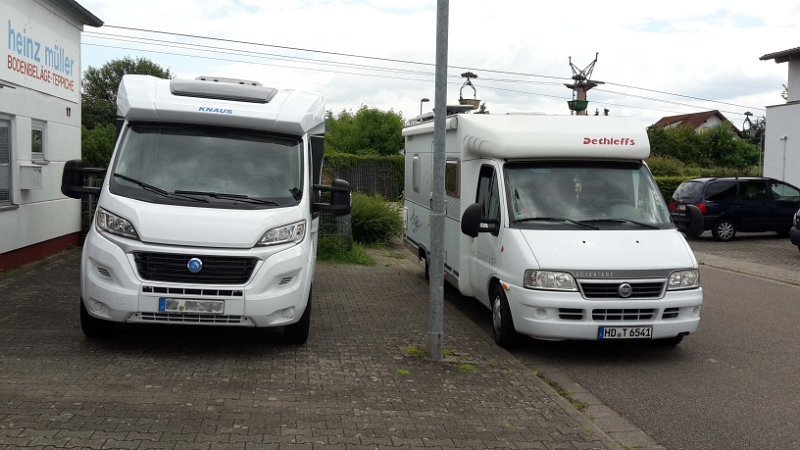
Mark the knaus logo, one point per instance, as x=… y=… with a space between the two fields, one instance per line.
x=608 y=141
x=215 y=110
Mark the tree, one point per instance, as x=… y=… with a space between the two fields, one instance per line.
x=100 y=86
x=97 y=145
x=368 y=131
x=719 y=146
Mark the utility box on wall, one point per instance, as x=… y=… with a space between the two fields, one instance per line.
x=30 y=177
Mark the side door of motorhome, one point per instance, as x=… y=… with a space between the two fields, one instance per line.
x=485 y=249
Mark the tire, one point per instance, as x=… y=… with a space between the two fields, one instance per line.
x=724 y=230
x=503 y=331
x=297 y=333
x=669 y=342
x=93 y=327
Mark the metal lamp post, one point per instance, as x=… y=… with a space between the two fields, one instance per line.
x=421 y=101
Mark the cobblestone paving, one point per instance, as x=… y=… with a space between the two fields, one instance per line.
x=767 y=249
x=350 y=387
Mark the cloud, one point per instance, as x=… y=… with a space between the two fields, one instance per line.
x=706 y=49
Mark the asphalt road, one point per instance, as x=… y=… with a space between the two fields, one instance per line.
x=732 y=385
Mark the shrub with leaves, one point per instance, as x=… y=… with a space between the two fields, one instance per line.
x=373 y=220
x=665 y=166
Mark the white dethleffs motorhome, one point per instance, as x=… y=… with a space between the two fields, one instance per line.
x=208 y=210
x=556 y=224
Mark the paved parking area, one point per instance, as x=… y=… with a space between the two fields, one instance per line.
x=761 y=254
x=351 y=387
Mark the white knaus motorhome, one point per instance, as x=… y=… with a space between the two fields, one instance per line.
x=556 y=224
x=208 y=211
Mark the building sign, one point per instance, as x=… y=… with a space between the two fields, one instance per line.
x=40 y=50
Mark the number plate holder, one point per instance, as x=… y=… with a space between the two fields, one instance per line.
x=604 y=333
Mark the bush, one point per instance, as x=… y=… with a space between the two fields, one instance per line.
x=373 y=220
x=334 y=250
x=97 y=145
x=665 y=166
x=667 y=185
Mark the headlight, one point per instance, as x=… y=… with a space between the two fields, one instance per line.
x=685 y=279
x=294 y=232
x=559 y=281
x=114 y=224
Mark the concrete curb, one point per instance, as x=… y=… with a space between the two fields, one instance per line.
x=748 y=268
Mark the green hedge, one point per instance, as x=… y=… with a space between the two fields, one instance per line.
x=348 y=161
x=667 y=185
x=373 y=220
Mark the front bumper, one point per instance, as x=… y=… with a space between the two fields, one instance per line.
x=112 y=289
x=794 y=235
x=539 y=313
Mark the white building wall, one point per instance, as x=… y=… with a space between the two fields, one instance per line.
x=794 y=81
x=782 y=156
x=710 y=123
x=37 y=215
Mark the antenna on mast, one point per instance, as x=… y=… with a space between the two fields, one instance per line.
x=582 y=82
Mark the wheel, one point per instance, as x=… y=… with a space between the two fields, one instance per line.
x=505 y=335
x=669 y=342
x=297 y=333
x=724 y=230
x=93 y=327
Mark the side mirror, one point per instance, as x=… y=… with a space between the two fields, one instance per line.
x=340 y=198
x=696 y=221
x=72 y=179
x=471 y=222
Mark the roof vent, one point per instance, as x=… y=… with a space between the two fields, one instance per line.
x=223 y=89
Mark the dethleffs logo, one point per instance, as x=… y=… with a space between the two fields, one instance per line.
x=215 y=110
x=608 y=141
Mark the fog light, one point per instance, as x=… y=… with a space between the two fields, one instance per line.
x=287 y=313
x=696 y=311
x=97 y=306
x=540 y=313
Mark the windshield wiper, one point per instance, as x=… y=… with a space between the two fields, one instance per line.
x=555 y=219
x=225 y=196
x=157 y=190
x=641 y=224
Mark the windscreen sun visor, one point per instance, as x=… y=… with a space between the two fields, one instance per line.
x=222 y=91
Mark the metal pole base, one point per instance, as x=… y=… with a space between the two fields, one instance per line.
x=435 y=340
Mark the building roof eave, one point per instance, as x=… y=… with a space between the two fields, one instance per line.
x=783 y=56
x=78 y=12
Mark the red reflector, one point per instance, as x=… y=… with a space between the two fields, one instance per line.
x=701 y=207
x=673 y=206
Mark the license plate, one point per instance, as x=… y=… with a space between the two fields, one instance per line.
x=184 y=305
x=624 y=332
x=681 y=207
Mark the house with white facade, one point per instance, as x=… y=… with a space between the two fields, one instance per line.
x=782 y=139
x=40 y=125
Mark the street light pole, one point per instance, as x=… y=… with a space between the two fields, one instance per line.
x=436 y=266
x=421 y=102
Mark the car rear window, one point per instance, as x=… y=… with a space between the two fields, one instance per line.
x=688 y=191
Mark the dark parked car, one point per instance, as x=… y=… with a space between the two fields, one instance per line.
x=794 y=233
x=731 y=205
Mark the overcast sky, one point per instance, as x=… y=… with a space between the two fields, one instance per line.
x=706 y=48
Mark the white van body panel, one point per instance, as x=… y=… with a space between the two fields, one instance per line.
x=630 y=255
x=277 y=291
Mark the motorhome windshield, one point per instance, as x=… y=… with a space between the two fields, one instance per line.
x=208 y=167
x=581 y=195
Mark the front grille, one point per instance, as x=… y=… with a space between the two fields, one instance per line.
x=648 y=289
x=570 y=314
x=189 y=318
x=188 y=291
x=622 y=314
x=173 y=268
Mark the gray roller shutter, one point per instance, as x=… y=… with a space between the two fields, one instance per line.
x=5 y=163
